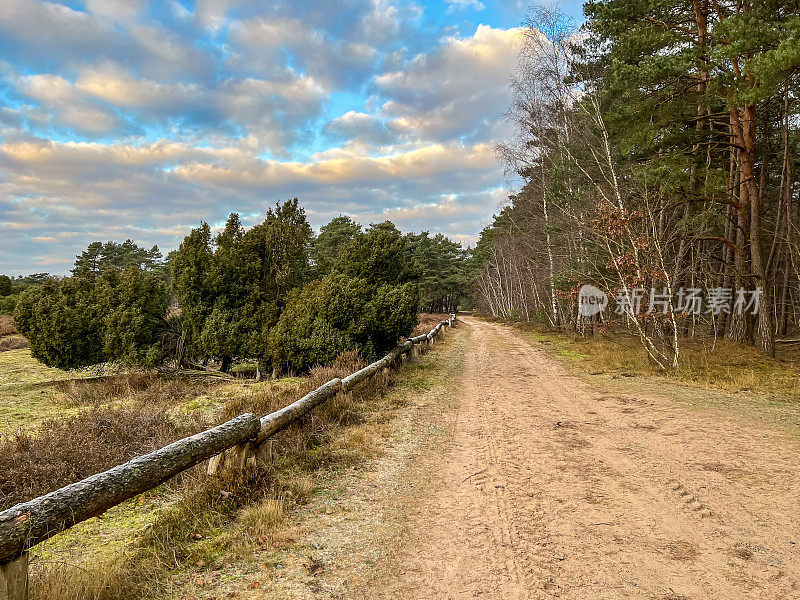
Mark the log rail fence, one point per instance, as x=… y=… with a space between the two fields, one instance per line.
x=235 y=444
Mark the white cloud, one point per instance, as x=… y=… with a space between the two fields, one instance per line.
x=180 y=11
x=423 y=162
x=155 y=192
x=53 y=36
x=120 y=88
x=120 y=11
x=360 y=128
x=382 y=21
x=453 y=5
x=262 y=113
x=211 y=13
x=259 y=44
x=63 y=103
x=459 y=89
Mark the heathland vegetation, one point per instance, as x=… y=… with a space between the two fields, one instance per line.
x=189 y=532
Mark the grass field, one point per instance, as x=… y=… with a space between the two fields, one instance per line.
x=27 y=387
x=27 y=390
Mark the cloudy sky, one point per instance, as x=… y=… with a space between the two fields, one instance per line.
x=130 y=119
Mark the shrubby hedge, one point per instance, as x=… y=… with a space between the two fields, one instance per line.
x=8 y=303
x=89 y=319
x=273 y=294
x=340 y=313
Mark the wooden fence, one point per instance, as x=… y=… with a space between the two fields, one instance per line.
x=233 y=444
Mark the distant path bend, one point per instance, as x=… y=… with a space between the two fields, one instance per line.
x=553 y=490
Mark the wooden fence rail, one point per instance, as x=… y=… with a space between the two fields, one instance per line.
x=233 y=443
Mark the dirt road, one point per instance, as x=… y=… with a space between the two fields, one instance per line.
x=551 y=489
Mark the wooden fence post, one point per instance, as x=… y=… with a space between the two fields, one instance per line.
x=241 y=455
x=14 y=579
x=214 y=463
x=264 y=453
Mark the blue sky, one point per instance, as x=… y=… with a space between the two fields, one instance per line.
x=126 y=119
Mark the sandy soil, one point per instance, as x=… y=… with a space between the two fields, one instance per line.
x=552 y=489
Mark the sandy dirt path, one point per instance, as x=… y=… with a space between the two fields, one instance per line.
x=550 y=489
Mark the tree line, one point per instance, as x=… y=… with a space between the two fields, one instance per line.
x=657 y=149
x=274 y=294
x=12 y=287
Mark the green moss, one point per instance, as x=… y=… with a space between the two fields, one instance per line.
x=18 y=367
x=111 y=533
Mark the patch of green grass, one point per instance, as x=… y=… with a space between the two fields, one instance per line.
x=129 y=521
x=245 y=368
x=18 y=367
x=26 y=390
x=572 y=354
x=418 y=376
x=28 y=405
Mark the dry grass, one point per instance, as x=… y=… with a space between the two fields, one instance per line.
x=428 y=321
x=208 y=522
x=66 y=581
x=66 y=450
x=7 y=326
x=127 y=415
x=204 y=523
x=146 y=387
x=719 y=364
x=261 y=520
x=124 y=416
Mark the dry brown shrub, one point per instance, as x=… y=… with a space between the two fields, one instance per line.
x=7 y=326
x=13 y=343
x=428 y=321
x=144 y=386
x=66 y=450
